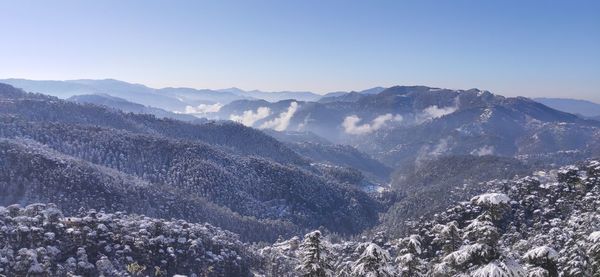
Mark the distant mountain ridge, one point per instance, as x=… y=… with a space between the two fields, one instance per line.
x=127 y=106
x=574 y=106
x=405 y=124
x=396 y=125
x=168 y=98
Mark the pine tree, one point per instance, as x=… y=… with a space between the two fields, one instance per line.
x=373 y=262
x=495 y=204
x=314 y=257
x=593 y=251
x=409 y=262
x=574 y=261
x=543 y=257
x=448 y=236
x=499 y=268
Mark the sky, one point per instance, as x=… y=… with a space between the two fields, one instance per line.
x=528 y=48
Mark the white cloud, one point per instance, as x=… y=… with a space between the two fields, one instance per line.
x=484 y=151
x=351 y=126
x=203 y=109
x=305 y=122
x=281 y=123
x=441 y=148
x=250 y=117
x=433 y=112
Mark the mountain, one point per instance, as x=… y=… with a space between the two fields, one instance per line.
x=373 y=90
x=346 y=97
x=32 y=172
x=131 y=92
x=127 y=106
x=574 y=106
x=544 y=224
x=283 y=95
x=247 y=141
x=231 y=166
x=406 y=124
x=352 y=96
x=344 y=155
x=410 y=181
x=539 y=225
x=201 y=102
x=274 y=96
x=444 y=181
x=296 y=137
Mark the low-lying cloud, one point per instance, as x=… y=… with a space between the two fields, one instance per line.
x=250 y=117
x=282 y=122
x=433 y=112
x=351 y=124
x=484 y=151
x=203 y=108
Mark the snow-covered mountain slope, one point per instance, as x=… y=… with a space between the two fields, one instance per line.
x=232 y=166
x=542 y=225
x=39 y=240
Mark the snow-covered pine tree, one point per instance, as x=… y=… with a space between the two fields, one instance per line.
x=481 y=256
x=409 y=261
x=494 y=204
x=593 y=251
x=448 y=236
x=373 y=262
x=573 y=260
x=542 y=257
x=314 y=257
x=500 y=268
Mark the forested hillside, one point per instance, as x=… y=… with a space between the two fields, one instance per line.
x=242 y=171
x=38 y=240
x=235 y=137
x=431 y=186
x=32 y=173
x=542 y=225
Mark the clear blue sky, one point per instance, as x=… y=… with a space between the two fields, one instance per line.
x=523 y=47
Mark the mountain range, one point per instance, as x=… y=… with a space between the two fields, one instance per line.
x=239 y=173
x=364 y=168
x=182 y=100
x=402 y=125
x=575 y=106
x=382 y=139
x=171 y=99
x=121 y=104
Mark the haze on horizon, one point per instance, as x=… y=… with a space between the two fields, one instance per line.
x=527 y=48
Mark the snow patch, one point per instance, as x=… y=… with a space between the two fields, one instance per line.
x=486 y=115
x=594 y=237
x=500 y=269
x=541 y=253
x=491 y=199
